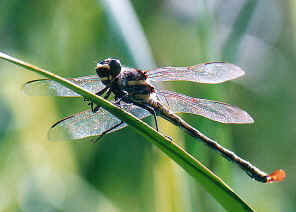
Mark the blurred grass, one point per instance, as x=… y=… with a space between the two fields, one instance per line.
x=72 y=36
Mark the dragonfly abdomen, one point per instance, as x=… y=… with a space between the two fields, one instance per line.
x=250 y=169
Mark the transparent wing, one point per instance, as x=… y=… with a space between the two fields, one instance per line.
x=213 y=110
x=212 y=73
x=87 y=123
x=45 y=87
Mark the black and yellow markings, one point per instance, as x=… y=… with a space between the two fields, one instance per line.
x=136 y=82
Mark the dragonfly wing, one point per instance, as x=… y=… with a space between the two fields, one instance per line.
x=87 y=124
x=211 y=73
x=45 y=87
x=216 y=111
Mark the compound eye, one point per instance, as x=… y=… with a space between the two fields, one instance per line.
x=115 y=67
x=108 y=67
x=115 y=62
x=101 y=73
x=103 y=69
x=102 y=65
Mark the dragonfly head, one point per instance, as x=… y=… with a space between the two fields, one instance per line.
x=108 y=69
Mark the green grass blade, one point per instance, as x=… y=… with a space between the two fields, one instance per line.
x=214 y=185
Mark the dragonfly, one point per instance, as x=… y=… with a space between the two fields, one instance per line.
x=142 y=94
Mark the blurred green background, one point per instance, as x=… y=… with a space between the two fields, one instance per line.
x=124 y=172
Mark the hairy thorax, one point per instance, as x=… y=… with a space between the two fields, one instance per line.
x=135 y=84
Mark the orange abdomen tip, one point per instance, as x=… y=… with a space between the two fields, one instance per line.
x=276 y=176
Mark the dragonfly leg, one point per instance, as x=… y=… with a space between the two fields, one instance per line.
x=122 y=98
x=91 y=104
x=94 y=110
x=152 y=111
x=100 y=93
x=106 y=131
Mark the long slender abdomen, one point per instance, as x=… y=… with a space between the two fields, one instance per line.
x=250 y=169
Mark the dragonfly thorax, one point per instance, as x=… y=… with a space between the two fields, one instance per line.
x=134 y=83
